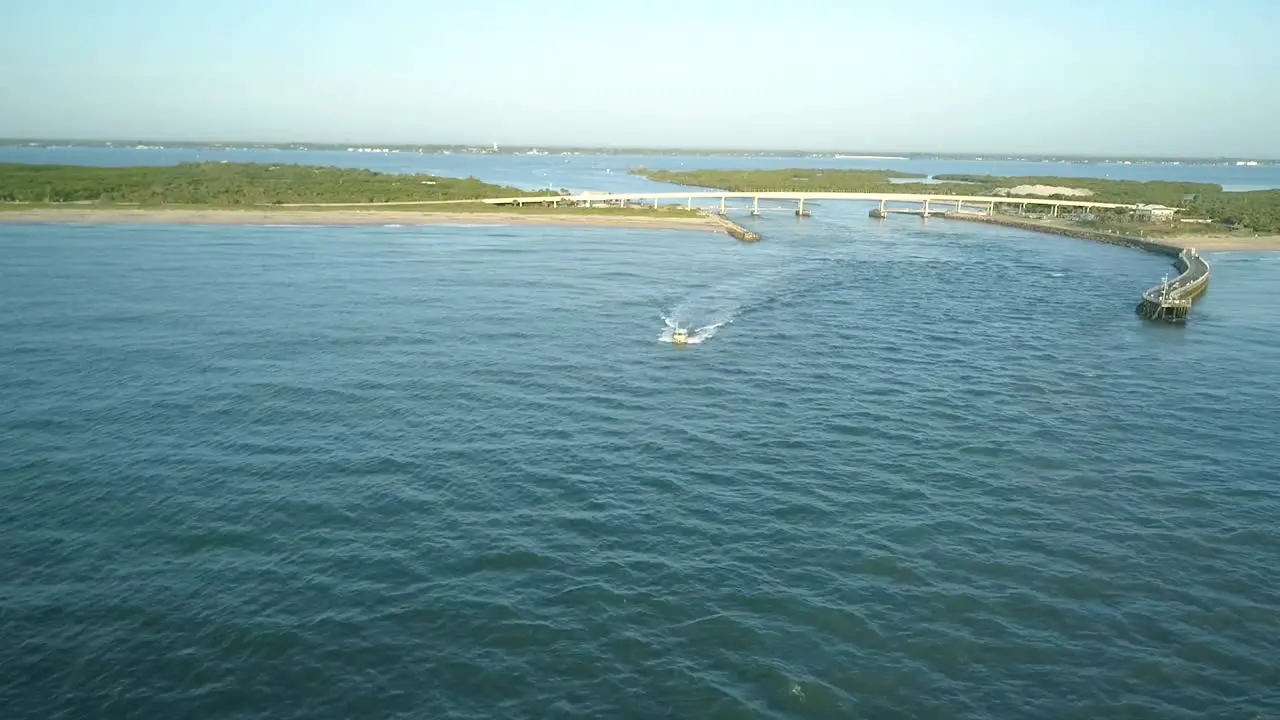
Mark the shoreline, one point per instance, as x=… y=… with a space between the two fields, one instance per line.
x=567 y=218
x=1162 y=245
x=158 y=216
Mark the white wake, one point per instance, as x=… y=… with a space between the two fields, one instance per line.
x=696 y=336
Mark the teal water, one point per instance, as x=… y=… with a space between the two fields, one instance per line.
x=924 y=470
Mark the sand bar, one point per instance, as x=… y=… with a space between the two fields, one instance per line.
x=99 y=216
x=1047 y=190
x=1223 y=243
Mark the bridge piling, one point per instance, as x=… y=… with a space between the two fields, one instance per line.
x=989 y=204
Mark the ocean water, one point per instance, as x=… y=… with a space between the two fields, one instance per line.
x=923 y=469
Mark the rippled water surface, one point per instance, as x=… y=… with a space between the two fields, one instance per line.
x=930 y=470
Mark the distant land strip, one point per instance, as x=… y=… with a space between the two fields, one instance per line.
x=554 y=149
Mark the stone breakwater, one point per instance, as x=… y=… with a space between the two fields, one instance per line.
x=1082 y=233
x=736 y=230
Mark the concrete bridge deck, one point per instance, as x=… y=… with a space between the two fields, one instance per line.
x=801 y=197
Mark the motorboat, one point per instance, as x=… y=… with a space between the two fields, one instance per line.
x=679 y=336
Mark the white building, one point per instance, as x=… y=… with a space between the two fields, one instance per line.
x=1154 y=213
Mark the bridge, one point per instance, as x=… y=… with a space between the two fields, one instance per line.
x=977 y=203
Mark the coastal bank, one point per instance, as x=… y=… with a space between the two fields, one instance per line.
x=318 y=217
x=1161 y=248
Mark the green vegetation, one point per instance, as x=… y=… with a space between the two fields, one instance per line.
x=230 y=185
x=779 y=180
x=1257 y=211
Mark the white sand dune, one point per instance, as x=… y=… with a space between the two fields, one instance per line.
x=1046 y=190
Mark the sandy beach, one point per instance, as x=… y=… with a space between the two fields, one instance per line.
x=1219 y=243
x=1223 y=243
x=349 y=217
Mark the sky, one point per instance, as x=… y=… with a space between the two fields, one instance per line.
x=1106 y=77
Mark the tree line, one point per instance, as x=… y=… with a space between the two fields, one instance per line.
x=793 y=179
x=230 y=184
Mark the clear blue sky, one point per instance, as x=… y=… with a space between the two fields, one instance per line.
x=1127 y=77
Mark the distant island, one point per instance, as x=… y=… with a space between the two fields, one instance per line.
x=527 y=149
x=1202 y=208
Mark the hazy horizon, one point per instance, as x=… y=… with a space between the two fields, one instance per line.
x=1146 y=79
x=872 y=153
